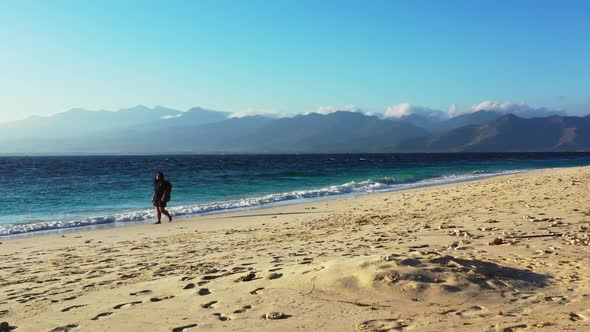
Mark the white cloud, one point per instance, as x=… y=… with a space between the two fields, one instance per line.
x=324 y=110
x=253 y=112
x=505 y=107
x=332 y=109
x=453 y=110
x=398 y=111
x=167 y=117
x=521 y=109
x=405 y=109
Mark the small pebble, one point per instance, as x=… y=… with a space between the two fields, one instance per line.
x=274 y=315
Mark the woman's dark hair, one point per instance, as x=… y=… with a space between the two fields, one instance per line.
x=161 y=177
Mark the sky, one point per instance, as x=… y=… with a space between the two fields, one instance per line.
x=292 y=56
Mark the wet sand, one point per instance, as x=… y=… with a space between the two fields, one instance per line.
x=411 y=260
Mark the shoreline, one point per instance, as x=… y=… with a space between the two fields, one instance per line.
x=425 y=183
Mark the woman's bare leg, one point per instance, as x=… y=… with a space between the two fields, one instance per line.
x=166 y=213
x=158 y=215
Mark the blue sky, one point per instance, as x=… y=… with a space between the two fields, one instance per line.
x=292 y=56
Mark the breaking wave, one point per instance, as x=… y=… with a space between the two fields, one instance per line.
x=350 y=188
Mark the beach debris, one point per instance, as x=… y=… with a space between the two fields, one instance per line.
x=247 y=277
x=454 y=245
x=391 y=278
x=532 y=236
x=202 y=268
x=274 y=315
x=497 y=241
x=488 y=229
x=446 y=226
x=461 y=233
x=583 y=240
x=389 y=258
x=543 y=252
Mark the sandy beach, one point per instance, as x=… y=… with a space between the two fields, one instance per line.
x=417 y=260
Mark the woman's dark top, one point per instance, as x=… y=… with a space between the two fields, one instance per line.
x=159 y=189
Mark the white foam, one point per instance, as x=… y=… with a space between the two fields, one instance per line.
x=350 y=188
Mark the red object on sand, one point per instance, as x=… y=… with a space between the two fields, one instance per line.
x=497 y=241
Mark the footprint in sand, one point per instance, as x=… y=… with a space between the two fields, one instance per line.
x=158 y=299
x=101 y=315
x=273 y=275
x=515 y=328
x=143 y=292
x=189 y=286
x=255 y=292
x=473 y=311
x=383 y=325
x=130 y=304
x=204 y=291
x=211 y=276
x=243 y=309
x=222 y=317
x=559 y=299
x=182 y=328
x=73 y=307
x=209 y=305
x=65 y=328
x=576 y=317
x=248 y=277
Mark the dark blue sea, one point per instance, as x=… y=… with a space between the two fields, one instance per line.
x=52 y=193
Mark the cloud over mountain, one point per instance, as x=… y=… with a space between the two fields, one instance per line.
x=255 y=112
x=406 y=109
x=521 y=109
x=332 y=109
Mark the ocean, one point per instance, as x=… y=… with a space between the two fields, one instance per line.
x=56 y=193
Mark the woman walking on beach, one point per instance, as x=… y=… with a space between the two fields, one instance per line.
x=161 y=196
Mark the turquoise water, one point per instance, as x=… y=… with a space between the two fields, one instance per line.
x=46 y=193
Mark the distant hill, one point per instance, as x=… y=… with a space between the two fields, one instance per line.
x=437 y=125
x=160 y=130
x=509 y=133
x=476 y=118
x=80 y=122
x=336 y=132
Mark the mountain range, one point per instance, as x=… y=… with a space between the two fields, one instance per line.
x=161 y=130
